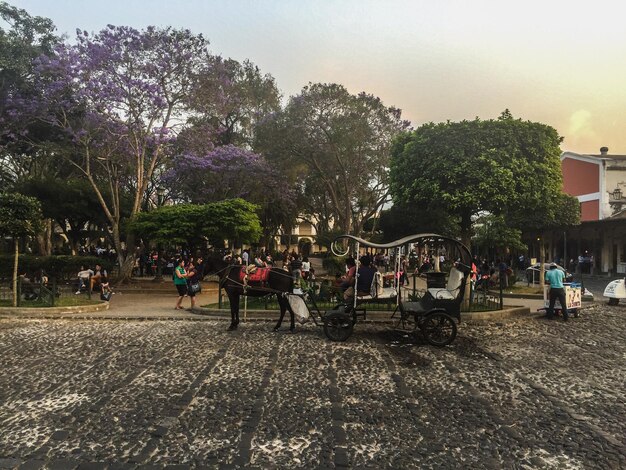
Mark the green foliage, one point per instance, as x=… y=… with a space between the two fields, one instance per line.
x=19 y=215
x=461 y=169
x=334 y=265
x=62 y=267
x=492 y=232
x=190 y=224
x=335 y=147
x=401 y=220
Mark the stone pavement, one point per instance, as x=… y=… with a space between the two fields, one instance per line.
x=136 y=394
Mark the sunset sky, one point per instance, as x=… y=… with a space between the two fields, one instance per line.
x=559 y=62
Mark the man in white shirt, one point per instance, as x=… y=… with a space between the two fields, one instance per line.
x=83 y=278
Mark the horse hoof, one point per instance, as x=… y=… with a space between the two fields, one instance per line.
x=276 y=329
x=232 y=327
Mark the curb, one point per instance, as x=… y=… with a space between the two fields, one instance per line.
x=22 y=311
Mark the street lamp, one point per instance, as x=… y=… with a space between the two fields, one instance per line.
x=617 y=194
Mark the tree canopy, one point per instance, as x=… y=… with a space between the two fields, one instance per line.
x=194 y=224
x=465 y=169
x=338 y=144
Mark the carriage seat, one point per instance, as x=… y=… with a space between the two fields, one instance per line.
x=377 y=291
x=253 y=273
x=451 y=291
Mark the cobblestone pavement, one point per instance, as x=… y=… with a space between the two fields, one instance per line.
x=149 y=394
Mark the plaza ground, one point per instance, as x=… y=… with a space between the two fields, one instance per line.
x=125 y=394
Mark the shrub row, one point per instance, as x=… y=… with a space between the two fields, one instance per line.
x=61 y=267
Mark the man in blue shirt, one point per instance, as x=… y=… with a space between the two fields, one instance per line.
x=557 y=291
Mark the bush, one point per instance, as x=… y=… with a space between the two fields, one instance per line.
x=334 y=265
x=61 y=267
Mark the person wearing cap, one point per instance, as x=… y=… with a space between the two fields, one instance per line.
x=557 y=291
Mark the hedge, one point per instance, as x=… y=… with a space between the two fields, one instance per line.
x=334 y=265
x=62 y=267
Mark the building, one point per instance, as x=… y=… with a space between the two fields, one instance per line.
x=599 y=183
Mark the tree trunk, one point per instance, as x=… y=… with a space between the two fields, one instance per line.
x=44 y=240
x=15 y=263
x=126 y=261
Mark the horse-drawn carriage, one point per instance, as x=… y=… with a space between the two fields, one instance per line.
x=435 y=314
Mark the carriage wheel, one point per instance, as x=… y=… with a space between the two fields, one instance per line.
x=338 y=328
x=439 y=329
x=613 y=301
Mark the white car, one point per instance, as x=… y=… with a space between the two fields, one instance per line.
x=615 y=291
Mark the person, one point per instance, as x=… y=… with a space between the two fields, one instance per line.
x=364 y=279
x=296 y=268
x=97 y=276
x=180 y=281
x=306 y=268
x=259 y=262
x=557 y=291
x=193 y=276
x=245 y=257
x=83 y=278
x=285 y=258
x=503 y=270
x=347 y=281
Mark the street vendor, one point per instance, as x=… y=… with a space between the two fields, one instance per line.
x=557 y=290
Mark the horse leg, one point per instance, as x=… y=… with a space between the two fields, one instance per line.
x=233 y=299
x=284 y=306
x=283 y=309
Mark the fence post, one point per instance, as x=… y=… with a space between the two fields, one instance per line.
x=89 y=288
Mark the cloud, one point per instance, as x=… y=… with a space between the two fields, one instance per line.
x=580 y=126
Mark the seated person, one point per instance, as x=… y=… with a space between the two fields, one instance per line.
x=347 y=281
x=97 y=277
x=83 y=278
x=364 y=279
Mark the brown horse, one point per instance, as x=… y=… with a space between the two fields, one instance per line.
x=275 y=281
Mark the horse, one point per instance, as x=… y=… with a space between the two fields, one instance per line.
x=276 y=281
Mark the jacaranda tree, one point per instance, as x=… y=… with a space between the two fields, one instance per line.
x=119 y=95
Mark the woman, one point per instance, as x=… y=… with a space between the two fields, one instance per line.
x=193 y=276
x=306 y=268
x=180 y=281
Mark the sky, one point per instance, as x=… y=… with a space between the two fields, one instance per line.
x=558 y=62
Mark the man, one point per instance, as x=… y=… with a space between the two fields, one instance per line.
x=296 y=269
x=557 y=291
x=83 y=278
x=364 y=279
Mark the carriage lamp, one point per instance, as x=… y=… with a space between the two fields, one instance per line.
x=617 y=194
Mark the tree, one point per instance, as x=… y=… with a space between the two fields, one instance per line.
x=19 y=217
x=230 y=98
x=230 y=172
x=493 y=233
x=25 y=39
x=191 y=224
x=337 y=142
x=73 y=205
x=502 y=167
x=119 y=95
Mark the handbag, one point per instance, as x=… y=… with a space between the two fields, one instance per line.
x=195 y=288
x=106 y=296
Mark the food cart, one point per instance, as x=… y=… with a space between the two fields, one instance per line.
x=573 y=298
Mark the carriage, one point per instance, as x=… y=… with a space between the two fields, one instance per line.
x=435 y=314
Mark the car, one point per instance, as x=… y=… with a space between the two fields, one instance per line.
x=532 y=272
